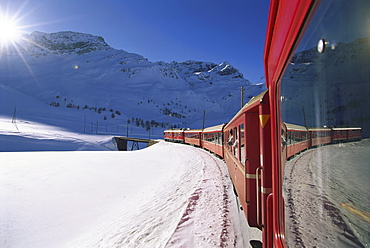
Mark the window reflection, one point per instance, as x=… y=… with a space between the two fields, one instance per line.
x=325 y=97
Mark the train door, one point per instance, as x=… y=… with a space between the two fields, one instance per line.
x=252 y=163
x=264 y=171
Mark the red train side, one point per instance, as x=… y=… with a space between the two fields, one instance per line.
x=246 y=152
x=174 y=135
x=354 y=134
x=297 y=139
x=319 y=136
x=257 y=142
x=193 y=137
x=245 y=145
x=345 y=134
x=212 y=139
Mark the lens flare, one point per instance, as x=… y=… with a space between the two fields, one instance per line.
x=9 y=32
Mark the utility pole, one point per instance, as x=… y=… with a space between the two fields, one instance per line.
x=14 y=120
x=85 y=124
x=242 y=91
x=169 y=121
x=304 y=116
x=204 y=118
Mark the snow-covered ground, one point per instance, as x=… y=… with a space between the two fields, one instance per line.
x=63 y=185
x=26 y=135
x=327 y=196
x=167 y=195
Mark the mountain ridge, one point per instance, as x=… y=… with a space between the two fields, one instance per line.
x=83 y=75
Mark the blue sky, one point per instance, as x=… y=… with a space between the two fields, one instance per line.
x=204 y=30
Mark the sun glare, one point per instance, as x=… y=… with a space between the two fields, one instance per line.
x=9 y=31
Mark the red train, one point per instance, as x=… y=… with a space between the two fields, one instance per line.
x=315 y=78
x=174 y=135
x=245 y=145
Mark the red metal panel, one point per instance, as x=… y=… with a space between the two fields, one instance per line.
x=212 y=147
x=235 y=167
x=193 y=137
x=286 y=21
x=192 y=141
x=265 y=186
x=354 y=134
x=168 y=136
x=284 y=25
x=252 y=149
x=178 y=136
x=297 y=148
x=339 y=136
x=212 y=139
x=245 y=156
x=237 y=175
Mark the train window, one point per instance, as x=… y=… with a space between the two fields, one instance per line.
x=229 y=139
x=241 y=144
x=235 y=144
x=219 y=139
x=326 y=85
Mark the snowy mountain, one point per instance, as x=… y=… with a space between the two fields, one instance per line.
x=333 y=87
x=77 y=81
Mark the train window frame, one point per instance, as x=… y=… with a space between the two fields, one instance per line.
x=241 y=144
x=315 y=134
x=234 y=145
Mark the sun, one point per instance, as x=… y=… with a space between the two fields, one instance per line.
x=9 y=31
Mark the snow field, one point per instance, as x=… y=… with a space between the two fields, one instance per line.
x=167 y=195
x=33 y=136
x=317 y=183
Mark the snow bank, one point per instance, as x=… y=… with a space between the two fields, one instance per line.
x=167 y=195
x=33 y=136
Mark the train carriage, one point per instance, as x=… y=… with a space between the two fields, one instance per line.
x=212 y=139
x=339 y=135
x=345 y=134
x=319 y=136
x=355 y=134
x=297 y=139
x=193 y=137
x=174 y=135
x=246 y=139
x=168 y=135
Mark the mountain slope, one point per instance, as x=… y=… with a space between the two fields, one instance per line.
x=80 y=75
x=330 y=88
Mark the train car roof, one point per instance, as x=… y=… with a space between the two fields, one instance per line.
x=255 y=99
x=174 y=130
x=193 y=130
x=295 y=127
x=319 y=129
x=214 y=128
x=345 y=128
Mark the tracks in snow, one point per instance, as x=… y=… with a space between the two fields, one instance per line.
x=206 y=216
x=186 y=206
